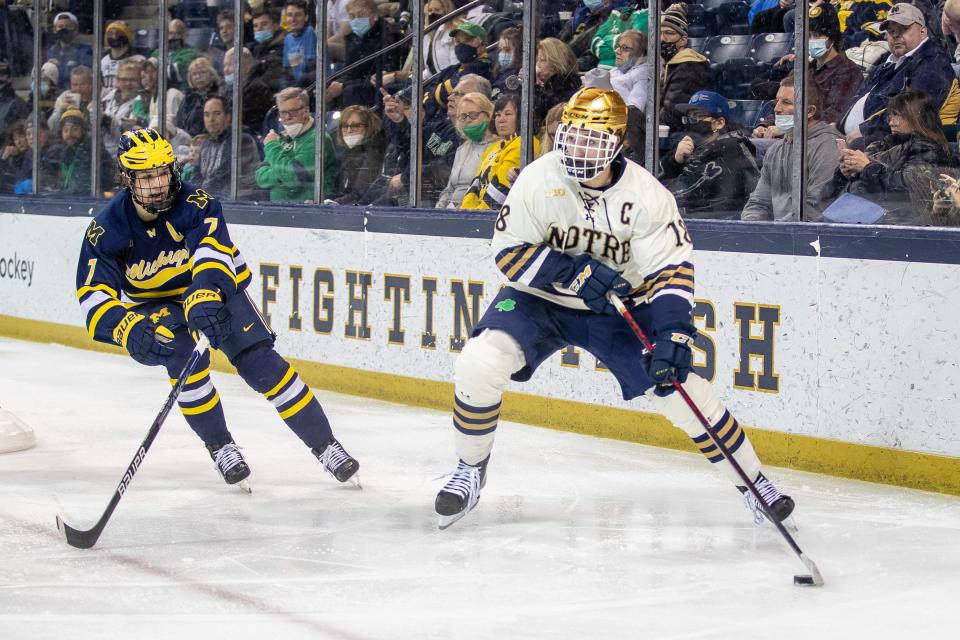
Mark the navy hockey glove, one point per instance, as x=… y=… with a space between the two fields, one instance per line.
x=206 y=312
x=147 y=342
x=592 y=280
x=671 y=359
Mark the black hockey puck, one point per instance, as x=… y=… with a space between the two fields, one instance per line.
x=803 y=580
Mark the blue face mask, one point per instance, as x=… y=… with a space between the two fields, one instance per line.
x=784 y=123
x=229 y=78
x=360 y=26
x=262 y=36
x=818 y=48
x=505 y=59
x=593 y=4
x=626 y=66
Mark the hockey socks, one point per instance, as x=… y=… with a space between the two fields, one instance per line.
x=475 y=429
x=200 y=404
x=269 y=374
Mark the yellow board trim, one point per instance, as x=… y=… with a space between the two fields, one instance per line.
x=926 y=471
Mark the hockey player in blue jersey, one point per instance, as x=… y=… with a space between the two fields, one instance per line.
x=157 y=263
x=582 y=222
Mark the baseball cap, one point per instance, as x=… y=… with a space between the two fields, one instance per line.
x=905 y=14
x=707 y=101
x=471 y=29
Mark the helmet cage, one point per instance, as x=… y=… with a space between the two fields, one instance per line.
x=587 y=152
x=148 y=192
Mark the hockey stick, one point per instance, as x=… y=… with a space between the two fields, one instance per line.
x=814 y=578
x=86 y=539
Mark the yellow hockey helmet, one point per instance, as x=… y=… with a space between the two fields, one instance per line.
x=139 y=153
x=144 y=149
x=591 y=131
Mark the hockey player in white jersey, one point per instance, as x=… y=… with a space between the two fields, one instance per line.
x=580 y=222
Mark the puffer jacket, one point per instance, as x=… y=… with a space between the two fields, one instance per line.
x=684 y=74
x=716 y=179
x=891 y=179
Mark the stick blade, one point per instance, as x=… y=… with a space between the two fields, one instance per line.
x=77 y=538
x=817 y=579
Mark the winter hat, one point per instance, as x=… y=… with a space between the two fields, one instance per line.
x=74 y=116
x=50 y=71
x=824 y=20
x=121 y=26
x=69 y=16
x=597 y=78
x=675 y=17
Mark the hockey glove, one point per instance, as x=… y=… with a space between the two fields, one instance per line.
x=147 y=342
x=206 y=312
x=591 y=280
x=671 y=359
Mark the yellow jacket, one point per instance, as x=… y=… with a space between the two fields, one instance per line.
x=490 y=186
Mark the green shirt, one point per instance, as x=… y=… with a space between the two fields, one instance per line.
x=288 y=168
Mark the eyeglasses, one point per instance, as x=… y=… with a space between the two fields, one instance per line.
x=291 y=112
x=354 y=126
x=472 y=115
x=623 y=47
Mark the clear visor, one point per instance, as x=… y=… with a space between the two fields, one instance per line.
x=153 y=189
x=586 y=152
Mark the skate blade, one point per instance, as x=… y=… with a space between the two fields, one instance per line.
x=355 y=480
x=445 y=522
x=243 y=485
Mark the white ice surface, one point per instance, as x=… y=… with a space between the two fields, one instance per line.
x=575 y=537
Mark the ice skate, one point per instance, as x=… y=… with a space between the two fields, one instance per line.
x=780 y=505
x=231 y=465
x=338 y=463
x=461 y=493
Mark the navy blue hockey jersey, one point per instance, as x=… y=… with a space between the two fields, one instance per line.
x=126 y=261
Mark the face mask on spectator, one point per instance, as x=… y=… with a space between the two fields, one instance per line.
x=175 y=43
x=44 y=87
x=475 y=132
x=818 y=48
x=593 y=4
x=702 y=128
x=65 y=35
x=505 y=60
x=465 y=53
x=229 y=78
x=117 y=42
x=668 y=50
x=433 y=17
x=262 y=36
x=626 y=66
x=360 y=26
x=784 y=123
x=293 y=130
x=352 y=139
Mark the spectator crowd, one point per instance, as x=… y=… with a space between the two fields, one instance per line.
x=881 y=105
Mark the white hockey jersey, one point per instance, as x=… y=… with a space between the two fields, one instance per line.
x=632 y=226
